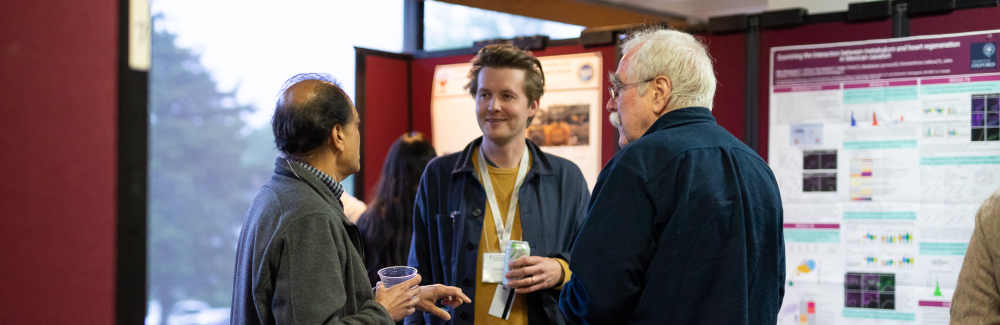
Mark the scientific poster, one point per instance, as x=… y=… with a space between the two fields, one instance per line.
x=568 y=123
x=883 y=151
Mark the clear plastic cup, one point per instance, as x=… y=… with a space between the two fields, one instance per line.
x=394 y=275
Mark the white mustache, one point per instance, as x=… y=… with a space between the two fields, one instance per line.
x=615 y=119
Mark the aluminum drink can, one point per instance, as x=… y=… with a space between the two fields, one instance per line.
x=514 y=250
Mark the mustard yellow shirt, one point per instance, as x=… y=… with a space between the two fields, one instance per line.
x=503 y=180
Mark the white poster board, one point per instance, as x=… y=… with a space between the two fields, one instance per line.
x=568 y=123
x=883 y=151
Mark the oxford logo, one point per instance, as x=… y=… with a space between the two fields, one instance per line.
x=983 y=55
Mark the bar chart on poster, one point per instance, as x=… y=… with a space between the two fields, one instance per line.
x=883 y=151
x=568 y=122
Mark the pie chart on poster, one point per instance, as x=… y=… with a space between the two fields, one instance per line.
x=805 y=267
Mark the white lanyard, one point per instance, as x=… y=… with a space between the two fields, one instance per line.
x=503 y=232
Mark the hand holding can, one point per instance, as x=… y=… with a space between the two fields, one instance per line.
x=514 y=250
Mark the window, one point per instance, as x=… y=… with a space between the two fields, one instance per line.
x=448 y=26
x=217 y=68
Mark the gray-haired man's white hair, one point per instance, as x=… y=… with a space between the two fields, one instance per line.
x=676 y=55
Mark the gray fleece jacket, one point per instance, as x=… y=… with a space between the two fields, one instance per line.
x=299 y=260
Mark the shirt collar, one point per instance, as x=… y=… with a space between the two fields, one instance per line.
x=539 y=163
x=335 y=186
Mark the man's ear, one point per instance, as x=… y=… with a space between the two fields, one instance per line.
x=661 y=92
x=533 y=107
x=337 y=138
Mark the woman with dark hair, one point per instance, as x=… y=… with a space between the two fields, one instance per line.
x=387 y=225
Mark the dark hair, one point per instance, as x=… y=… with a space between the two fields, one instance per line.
x=387 y=225
x=509 y=56
x=301 y=125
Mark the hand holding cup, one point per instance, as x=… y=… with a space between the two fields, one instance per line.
x=399 y=299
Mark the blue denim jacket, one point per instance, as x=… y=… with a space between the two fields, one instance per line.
x=685 y=228
x=448 y=222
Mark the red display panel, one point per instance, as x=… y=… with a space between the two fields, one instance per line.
x=58 y=179
x=969 y=20
x=385 y=114
x=728 y=53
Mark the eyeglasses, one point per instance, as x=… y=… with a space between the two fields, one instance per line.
x=617 y=90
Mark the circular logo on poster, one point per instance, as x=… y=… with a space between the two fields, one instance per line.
x=989 y=49
x=586 y=73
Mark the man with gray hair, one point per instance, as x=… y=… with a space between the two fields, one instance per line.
x=685 y=222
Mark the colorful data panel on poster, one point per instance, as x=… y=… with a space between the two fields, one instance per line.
x=568 y=122
x=883 y=151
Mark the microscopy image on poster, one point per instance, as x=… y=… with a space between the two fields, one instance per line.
x=883 y=151
x=870 y=290
x=819 y=171
x=986 y=117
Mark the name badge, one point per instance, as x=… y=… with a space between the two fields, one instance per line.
x=493 y=267
x=503 y=300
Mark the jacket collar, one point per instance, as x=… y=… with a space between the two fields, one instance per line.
x=293 y=170
x=301 y=173
x=680 y=117
x=540 y=164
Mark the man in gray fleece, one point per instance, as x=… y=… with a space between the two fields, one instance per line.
x=299 y=260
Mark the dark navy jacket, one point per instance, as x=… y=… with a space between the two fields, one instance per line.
x=684 y=227
x=448 y=221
